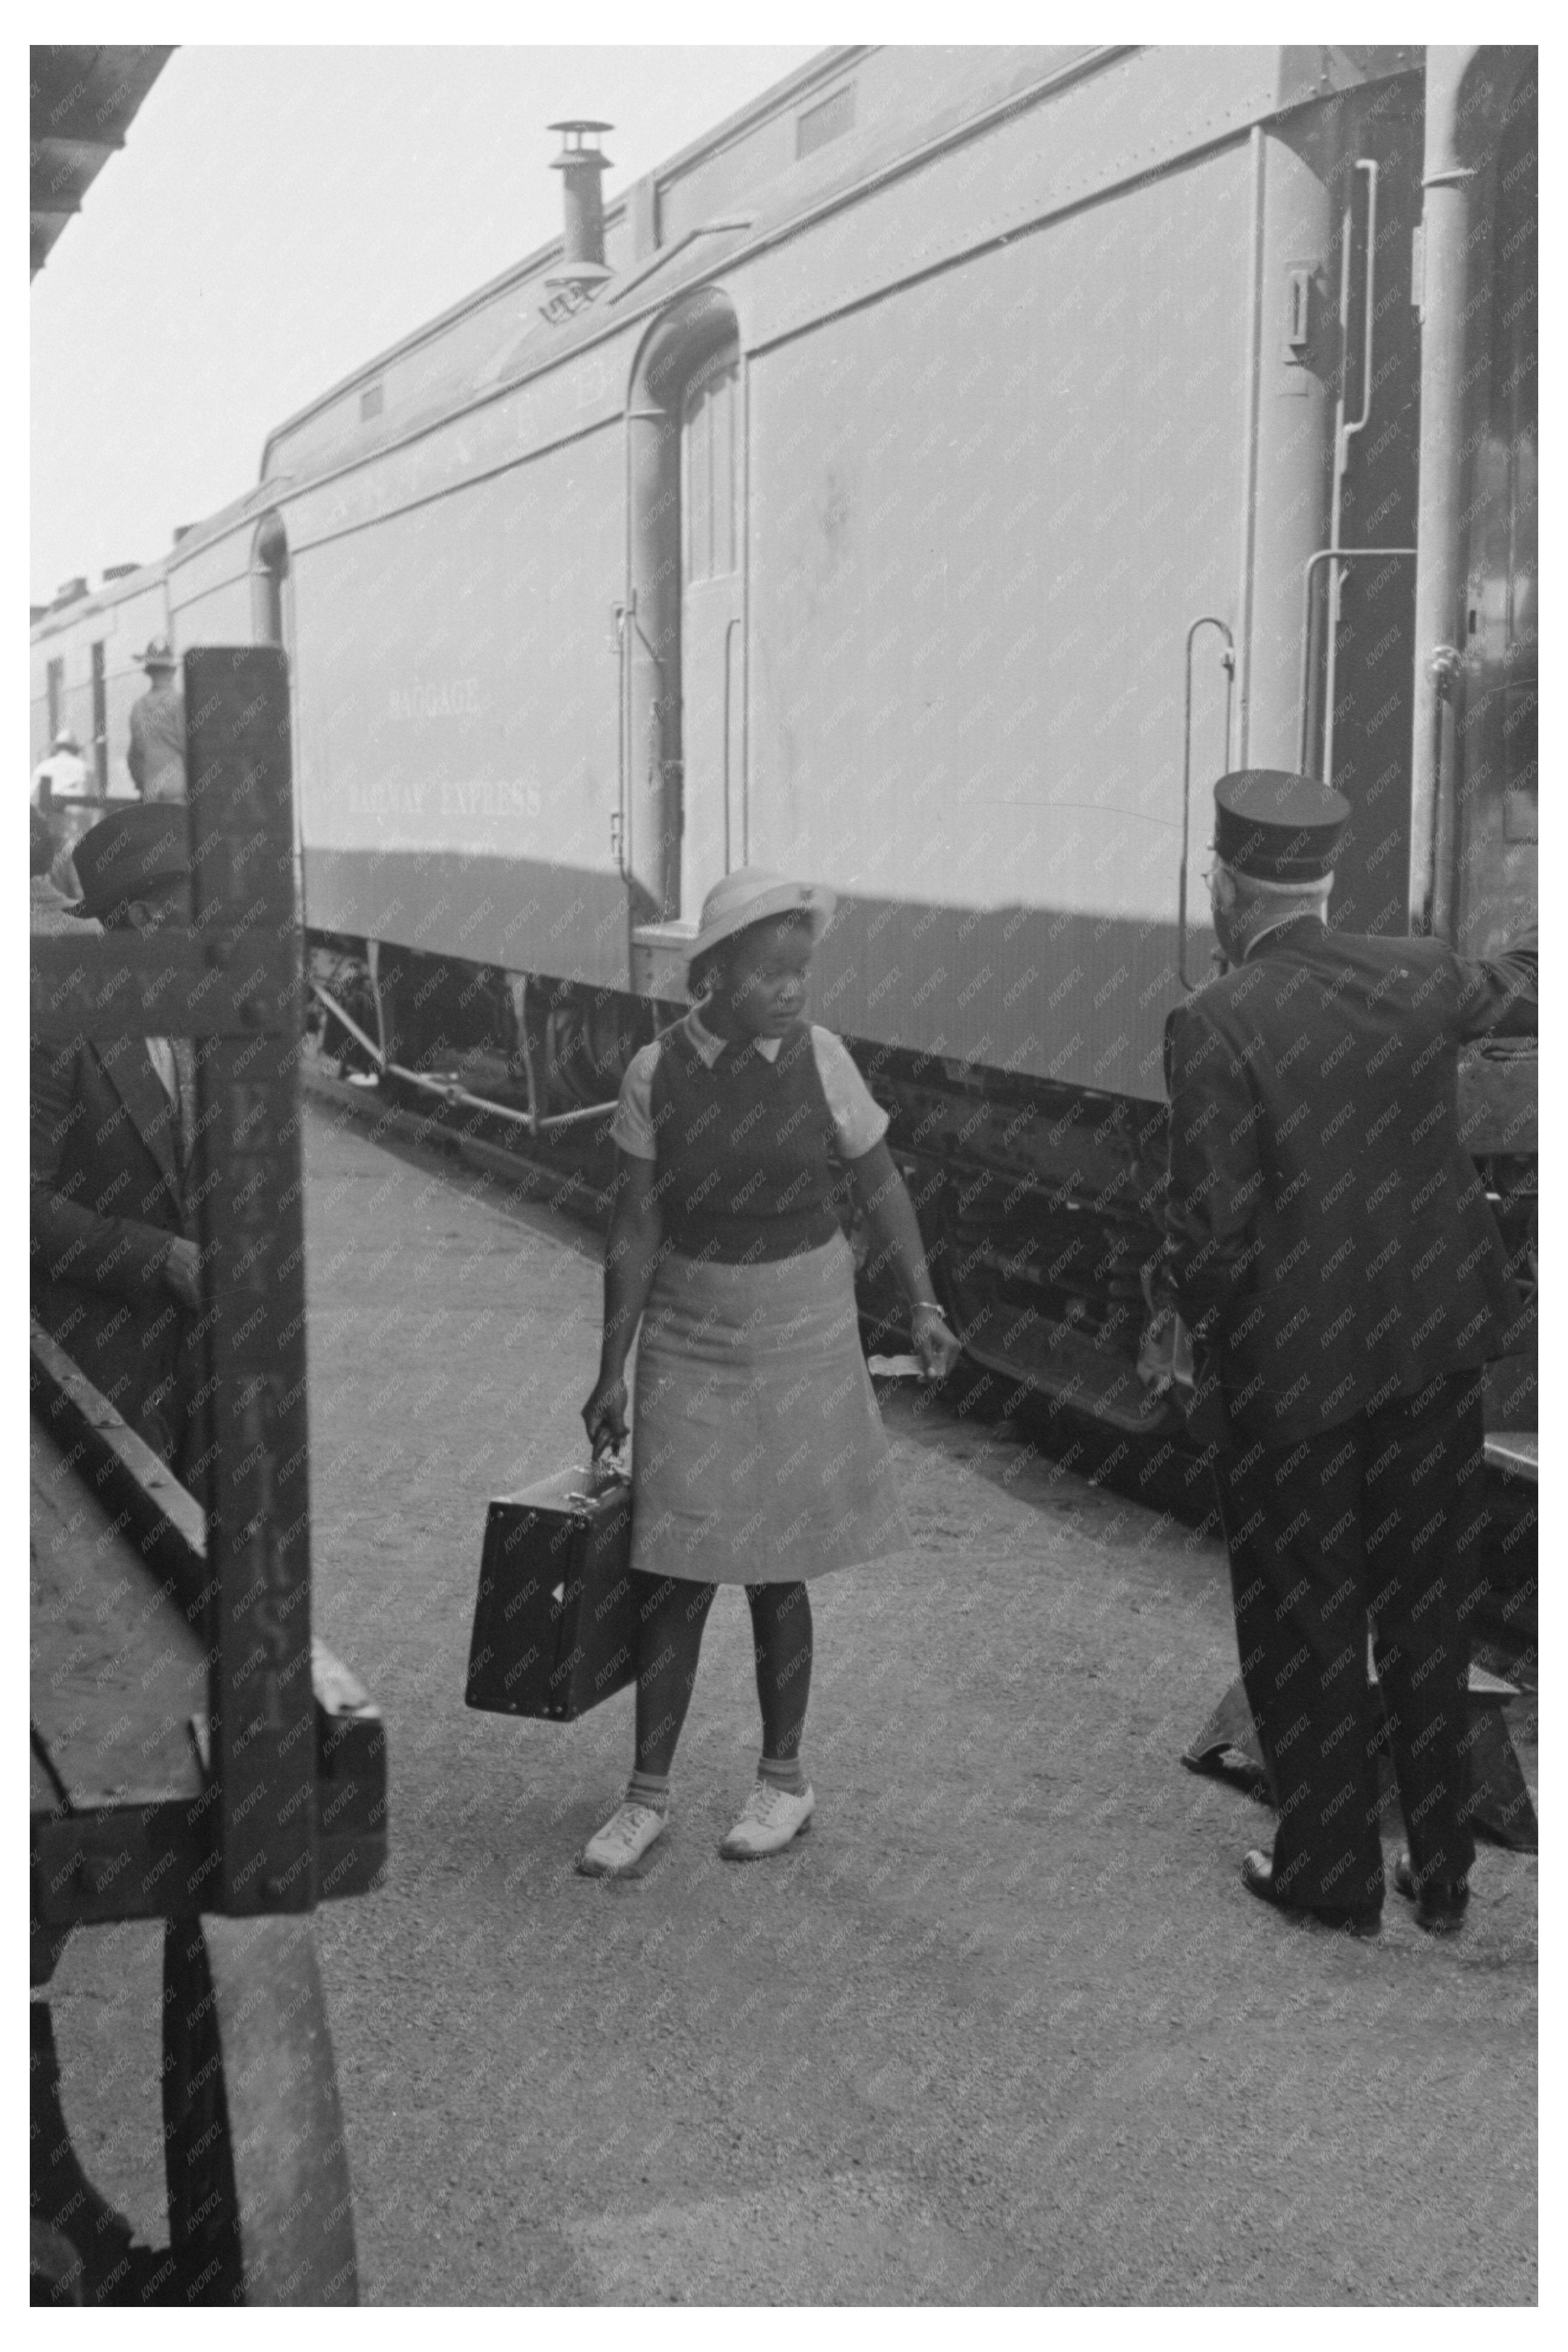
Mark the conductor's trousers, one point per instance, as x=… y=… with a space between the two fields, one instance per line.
x=1381 y=1516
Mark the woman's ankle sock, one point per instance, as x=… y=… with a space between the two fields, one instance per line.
x=782 y=1772
x=649 y=1789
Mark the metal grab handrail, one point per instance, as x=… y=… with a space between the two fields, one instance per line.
x=450 y=1092
x=731 y=626
x=618 y=844
x=1346 y=429
x=1324 y=555
x=1227 y=662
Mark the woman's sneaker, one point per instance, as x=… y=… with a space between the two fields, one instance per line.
x=771 y=1817
x=626 y=1837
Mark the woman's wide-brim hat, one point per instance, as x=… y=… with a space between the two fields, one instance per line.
x=749 y=895
x=131 y=853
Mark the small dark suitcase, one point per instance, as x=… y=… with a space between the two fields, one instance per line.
x=555 y=1625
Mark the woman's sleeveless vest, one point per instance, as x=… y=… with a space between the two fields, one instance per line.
x=743 y=1149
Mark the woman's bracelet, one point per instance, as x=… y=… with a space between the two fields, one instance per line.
x=933 y=1304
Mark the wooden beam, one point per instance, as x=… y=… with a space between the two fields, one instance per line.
x=89 y=1858
x=88 y=93
x=225 y=981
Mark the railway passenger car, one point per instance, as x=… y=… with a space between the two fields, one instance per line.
x=86 y=673
x=930 y=482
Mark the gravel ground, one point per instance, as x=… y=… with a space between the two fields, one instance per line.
x=1003 y=2028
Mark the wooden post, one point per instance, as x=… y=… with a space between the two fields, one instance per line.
x=251 y=1225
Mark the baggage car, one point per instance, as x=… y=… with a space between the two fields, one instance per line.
x=930 y=482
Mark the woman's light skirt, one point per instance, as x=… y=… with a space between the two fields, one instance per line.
x=758 y=1452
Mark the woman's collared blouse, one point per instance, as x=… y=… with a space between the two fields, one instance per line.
x=858 y=1120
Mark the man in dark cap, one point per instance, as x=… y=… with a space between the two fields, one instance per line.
x=1329 y=1249
x=156 y=754
x=115 y=1265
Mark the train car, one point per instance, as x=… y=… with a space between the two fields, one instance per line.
x=86 y=670
x=930 y=482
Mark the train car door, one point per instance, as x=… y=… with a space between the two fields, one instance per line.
x=711 y=636
x=1499 y=790
x=271 y=585
x=272 y=621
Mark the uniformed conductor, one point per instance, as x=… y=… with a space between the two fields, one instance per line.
x=1330 y=1248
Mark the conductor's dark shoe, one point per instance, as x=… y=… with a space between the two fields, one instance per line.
x=1258 y=1877
x=1440 y=1903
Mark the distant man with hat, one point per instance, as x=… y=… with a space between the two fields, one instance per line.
x=1329 y=1249
x=156 y=754
x=114 y=1259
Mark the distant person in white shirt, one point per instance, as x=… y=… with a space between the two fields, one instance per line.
x=64 y=775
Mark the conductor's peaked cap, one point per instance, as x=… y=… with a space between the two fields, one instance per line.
x=131 y=854
x=749 y=895
x=1278 y=827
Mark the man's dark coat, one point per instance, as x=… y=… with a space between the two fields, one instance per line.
x=1328 y=1238
x=106 y=1207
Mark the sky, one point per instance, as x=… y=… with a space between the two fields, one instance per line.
x=277 y=216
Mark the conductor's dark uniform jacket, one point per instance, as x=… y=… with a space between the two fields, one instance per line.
x=1328 y=1237
x=1329 y=1244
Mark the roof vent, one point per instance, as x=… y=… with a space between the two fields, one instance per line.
x=183 y=530
x=69 y=589
x=580 y=164
x=119 y=572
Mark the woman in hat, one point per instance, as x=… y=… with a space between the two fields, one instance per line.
x=760 y=1456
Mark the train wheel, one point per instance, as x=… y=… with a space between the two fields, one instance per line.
x=259 y=2207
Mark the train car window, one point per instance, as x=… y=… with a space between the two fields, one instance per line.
x=828 y=120
x=708 y=458
x=100 y=718
x=55 y=677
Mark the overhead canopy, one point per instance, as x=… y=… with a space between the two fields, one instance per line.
x=81 y=103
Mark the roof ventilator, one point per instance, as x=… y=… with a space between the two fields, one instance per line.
x=581 y=271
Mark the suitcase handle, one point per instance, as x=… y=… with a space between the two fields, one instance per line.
x=601 y=1478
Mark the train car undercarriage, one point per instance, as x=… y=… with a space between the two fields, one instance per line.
x=1039 y=1202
